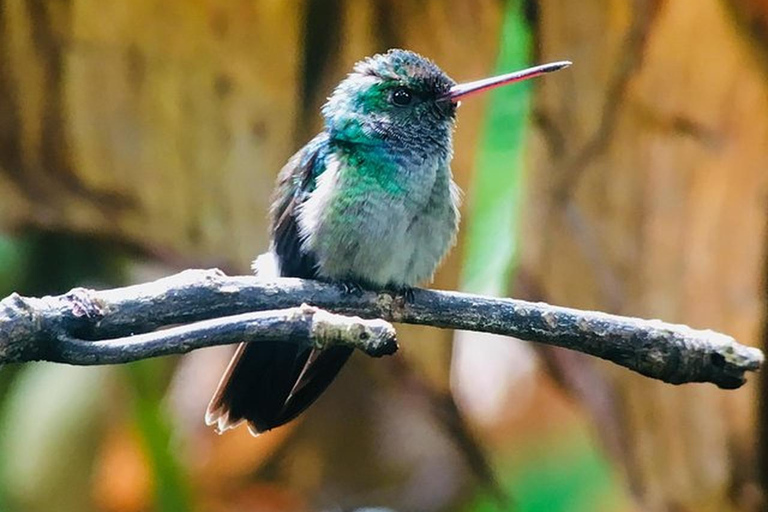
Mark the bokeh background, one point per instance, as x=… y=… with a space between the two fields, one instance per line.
x=141 y=137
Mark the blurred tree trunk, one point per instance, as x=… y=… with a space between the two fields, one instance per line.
x=647 y=197
x=143 y=121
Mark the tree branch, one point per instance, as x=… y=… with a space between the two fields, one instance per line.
x=78 y=327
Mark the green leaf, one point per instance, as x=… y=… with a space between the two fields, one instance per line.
x=494 y=198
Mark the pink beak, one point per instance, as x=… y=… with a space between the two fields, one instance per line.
x=460 y=91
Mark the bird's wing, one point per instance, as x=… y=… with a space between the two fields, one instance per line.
x=296 y=181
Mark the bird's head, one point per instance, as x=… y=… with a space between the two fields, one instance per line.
x=390 y=98
x=401 y=99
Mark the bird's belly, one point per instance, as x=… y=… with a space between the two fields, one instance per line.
x=380 y=236
x=372 y=247
x=381 y=243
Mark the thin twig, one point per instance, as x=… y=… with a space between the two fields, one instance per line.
x=32 y=328
x=306 y=324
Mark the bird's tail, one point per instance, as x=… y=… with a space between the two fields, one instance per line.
x=267 y=384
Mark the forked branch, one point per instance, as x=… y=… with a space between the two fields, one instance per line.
x=210 y=308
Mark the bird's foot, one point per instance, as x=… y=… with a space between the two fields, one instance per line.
x=352 y=288
x=408 y=293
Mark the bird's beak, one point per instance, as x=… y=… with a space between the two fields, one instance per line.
x=461 y=91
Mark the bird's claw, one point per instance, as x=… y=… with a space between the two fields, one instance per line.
x=352 y=288
x=408 y=293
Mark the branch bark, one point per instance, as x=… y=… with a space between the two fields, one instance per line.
x=116 y=326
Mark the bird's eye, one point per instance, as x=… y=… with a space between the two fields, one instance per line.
x=402 y=97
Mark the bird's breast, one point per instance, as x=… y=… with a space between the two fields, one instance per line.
x=389 y=225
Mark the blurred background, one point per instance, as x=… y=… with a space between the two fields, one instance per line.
x=138 y=138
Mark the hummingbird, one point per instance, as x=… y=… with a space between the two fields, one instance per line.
x=370 y=202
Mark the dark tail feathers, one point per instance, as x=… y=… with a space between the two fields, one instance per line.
x=267 y=384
